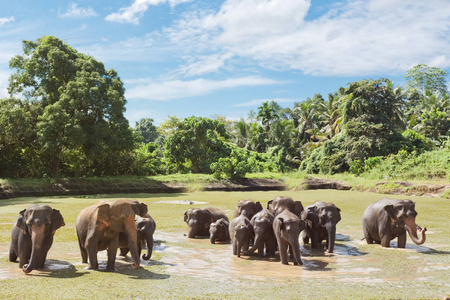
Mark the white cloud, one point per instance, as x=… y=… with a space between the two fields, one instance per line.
x=182 y=89
x=353 y=38
x=3 y=21
x=133 y=13
x=78 y=12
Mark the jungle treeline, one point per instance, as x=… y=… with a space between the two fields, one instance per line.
x=65 y=118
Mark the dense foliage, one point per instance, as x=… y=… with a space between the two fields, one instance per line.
x=65 y=118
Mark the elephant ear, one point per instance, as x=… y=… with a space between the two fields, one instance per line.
x=186 y=216
x=20 y=222
x=57 y=221
x=390 y=211
x=140 y=209
x=298 y=208
x=258 y=207
x=103 y=214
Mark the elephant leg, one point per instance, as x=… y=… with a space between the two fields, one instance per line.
x=283 y=253
x=12 y=254
x=401 y=240
x=234 y=247
x=84 y=254
x=91 y=247
x=305 y=237
x=112 y=251
x=385 y=241
x=238 y=248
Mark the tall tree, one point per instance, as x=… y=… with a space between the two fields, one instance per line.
x=424 y=78
x=147 y=130
x=82 y=103
x=267 y=113
x=196 y=143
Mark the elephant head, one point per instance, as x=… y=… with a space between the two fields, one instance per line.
x=198 y=221
x=248 y=208
x=145 y=230
x=403 y=214
x=218 y=231
x=329 y=215
x=41 y=223
x=280 y=203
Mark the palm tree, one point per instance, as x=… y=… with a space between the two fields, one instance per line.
x=267 y=113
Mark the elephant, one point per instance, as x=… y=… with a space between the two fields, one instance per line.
x=198 y=220
x=145 y=227
x=287 y=227
x=280 y=203
x=247 y=208
x=219 y=231
x=309 y=215
x=240 y=232
x=262 y=224
x=329 y=215
x=32 y=236
x=98 y=227
x=388 y=219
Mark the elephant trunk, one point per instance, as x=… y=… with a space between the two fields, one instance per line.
x=37 y=240
x=149 y=240
x=331 y=230
x=294 y=244
x=130 y=230
x=256 y=245
x=412 y=227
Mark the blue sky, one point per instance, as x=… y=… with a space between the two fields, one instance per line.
x=211 y=57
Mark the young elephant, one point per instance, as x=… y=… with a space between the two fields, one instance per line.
x=262 y=224
x=145 y=227
x=309 y=215
x=219 y=231
x=329 y=215
x=240 y=232
x=388 y=219
x=280 y=203
x=198 y=220
x=32 y=236
x=287 y=227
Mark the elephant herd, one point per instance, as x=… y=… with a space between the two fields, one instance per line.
x=126 y=224
x=280 y=225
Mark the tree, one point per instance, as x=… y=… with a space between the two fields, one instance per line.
x=147 y=130
x=196 y=143
x=267 y=113
x=422 y=78
x=82 y=103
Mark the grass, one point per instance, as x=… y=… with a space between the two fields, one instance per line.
x=183 y=268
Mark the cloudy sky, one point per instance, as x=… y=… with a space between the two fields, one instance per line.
x=211 y=57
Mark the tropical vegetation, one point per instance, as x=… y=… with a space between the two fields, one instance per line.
x=65 y=118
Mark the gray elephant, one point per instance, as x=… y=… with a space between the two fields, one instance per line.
x=98 y=227
x=32 y=236
x=280 y=203
x=309 y=215
x=145 y=227
x=329 y=215
x=262 y=224
x=241 y=232
x=219 y=231
x=199 y=220
x=247 y=208
x=388 y=219
x=287 y=227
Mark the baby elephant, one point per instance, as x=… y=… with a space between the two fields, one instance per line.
x=218 y=231
x=287 y=227
x=199 y=219
x=240 y=232
x=145 y=227
x=32 y=236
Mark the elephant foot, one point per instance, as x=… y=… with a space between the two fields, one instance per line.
x=135 y=266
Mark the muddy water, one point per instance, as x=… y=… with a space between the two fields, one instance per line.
x=216 y=262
